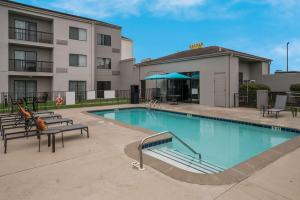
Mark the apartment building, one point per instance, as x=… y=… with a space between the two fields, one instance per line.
x=43 y=50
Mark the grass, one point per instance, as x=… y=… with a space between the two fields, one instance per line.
x=50 y=105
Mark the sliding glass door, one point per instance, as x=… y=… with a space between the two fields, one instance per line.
x=79 y=87
x=24 y=88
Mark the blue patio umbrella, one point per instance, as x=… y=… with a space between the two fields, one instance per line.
x=176 y=75
x=155 y=77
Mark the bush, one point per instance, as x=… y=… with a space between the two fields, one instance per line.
x=295 y=87
x=252 y=87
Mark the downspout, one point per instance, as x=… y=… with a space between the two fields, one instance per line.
x=229 y=84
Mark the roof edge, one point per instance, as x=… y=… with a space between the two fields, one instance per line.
x=55 y=13
x=237 y=54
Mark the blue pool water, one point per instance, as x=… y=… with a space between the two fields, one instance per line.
x=220 y=142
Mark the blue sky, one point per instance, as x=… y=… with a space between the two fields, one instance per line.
x=160 y=27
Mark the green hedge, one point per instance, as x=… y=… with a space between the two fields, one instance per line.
x=295 y=87
x=252 y=87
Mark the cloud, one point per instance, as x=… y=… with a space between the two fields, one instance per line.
x=94 y=8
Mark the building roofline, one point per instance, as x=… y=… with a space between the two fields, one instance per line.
x=228 y=52
x=55 y=13
x=126 y=38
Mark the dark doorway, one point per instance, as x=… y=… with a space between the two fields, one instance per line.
x=101 y=87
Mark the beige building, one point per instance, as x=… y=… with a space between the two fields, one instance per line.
x=216 y=74
x=43 y=50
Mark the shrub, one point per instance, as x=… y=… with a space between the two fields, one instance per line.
x=295 y=87
x=252 y=87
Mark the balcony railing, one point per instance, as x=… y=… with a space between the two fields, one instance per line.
x=30 y=66
x=30 y=35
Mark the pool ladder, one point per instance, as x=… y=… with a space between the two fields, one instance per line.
x=153 y=103
x=140 y=147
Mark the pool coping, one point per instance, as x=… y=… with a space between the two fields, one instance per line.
x=229 y=176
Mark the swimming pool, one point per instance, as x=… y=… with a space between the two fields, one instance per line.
x=221 y=143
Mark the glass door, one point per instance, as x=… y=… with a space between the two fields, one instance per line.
x=101 y=87
x=19 y=63
x=32 y=31
x=20 y=27
x=31 y=61
x=25 y=88
x=79 y=87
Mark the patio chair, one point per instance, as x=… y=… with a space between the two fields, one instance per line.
x=48 y=131
x=280 y=105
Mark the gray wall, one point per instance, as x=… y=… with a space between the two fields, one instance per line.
x=129 y=74
x=107 y=52
x=280 y=82
x=207 y=68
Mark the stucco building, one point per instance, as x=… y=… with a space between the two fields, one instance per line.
x=43 y=50
x=218 y=73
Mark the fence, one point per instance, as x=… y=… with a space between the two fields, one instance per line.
x=250 y=99
x=47 y=100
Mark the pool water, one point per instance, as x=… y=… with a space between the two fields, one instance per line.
x=220 y=142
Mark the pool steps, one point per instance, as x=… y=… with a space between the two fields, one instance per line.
x=183 y=161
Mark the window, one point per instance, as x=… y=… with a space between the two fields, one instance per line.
x=77 y=60
x=77 y=34
x=103 y=63
x=79 y=87
x=103 y=39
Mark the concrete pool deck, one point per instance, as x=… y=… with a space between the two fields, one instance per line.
x=98 y=168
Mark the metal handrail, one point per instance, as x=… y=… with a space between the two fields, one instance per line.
x=140 y=147
x=153 y=103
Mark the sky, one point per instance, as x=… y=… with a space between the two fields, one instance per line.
x=161 y=27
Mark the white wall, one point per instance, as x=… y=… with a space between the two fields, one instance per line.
x=126 y=49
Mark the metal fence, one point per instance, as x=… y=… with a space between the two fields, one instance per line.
x=250 y=99
x=47 y=100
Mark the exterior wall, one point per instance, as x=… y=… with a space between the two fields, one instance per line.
x=207 y=68
x=61 y=55
x=129 y=74
x=280 y=82
x=3 y=49
x=126 y=49
x=113 y=52
x=245 y=68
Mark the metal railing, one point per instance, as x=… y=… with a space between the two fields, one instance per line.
x=30 y=35
x=140 y=147
x=243 y=99
x=18 y=65
x=153 y=103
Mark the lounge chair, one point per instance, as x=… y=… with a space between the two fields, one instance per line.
x=50 y=132
x=48 y=121
x=280 y=105
x=20 y=118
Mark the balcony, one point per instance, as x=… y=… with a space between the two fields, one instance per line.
x=30 y=35
x=30 y=66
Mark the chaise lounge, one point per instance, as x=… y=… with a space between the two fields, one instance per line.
x=280 y=105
